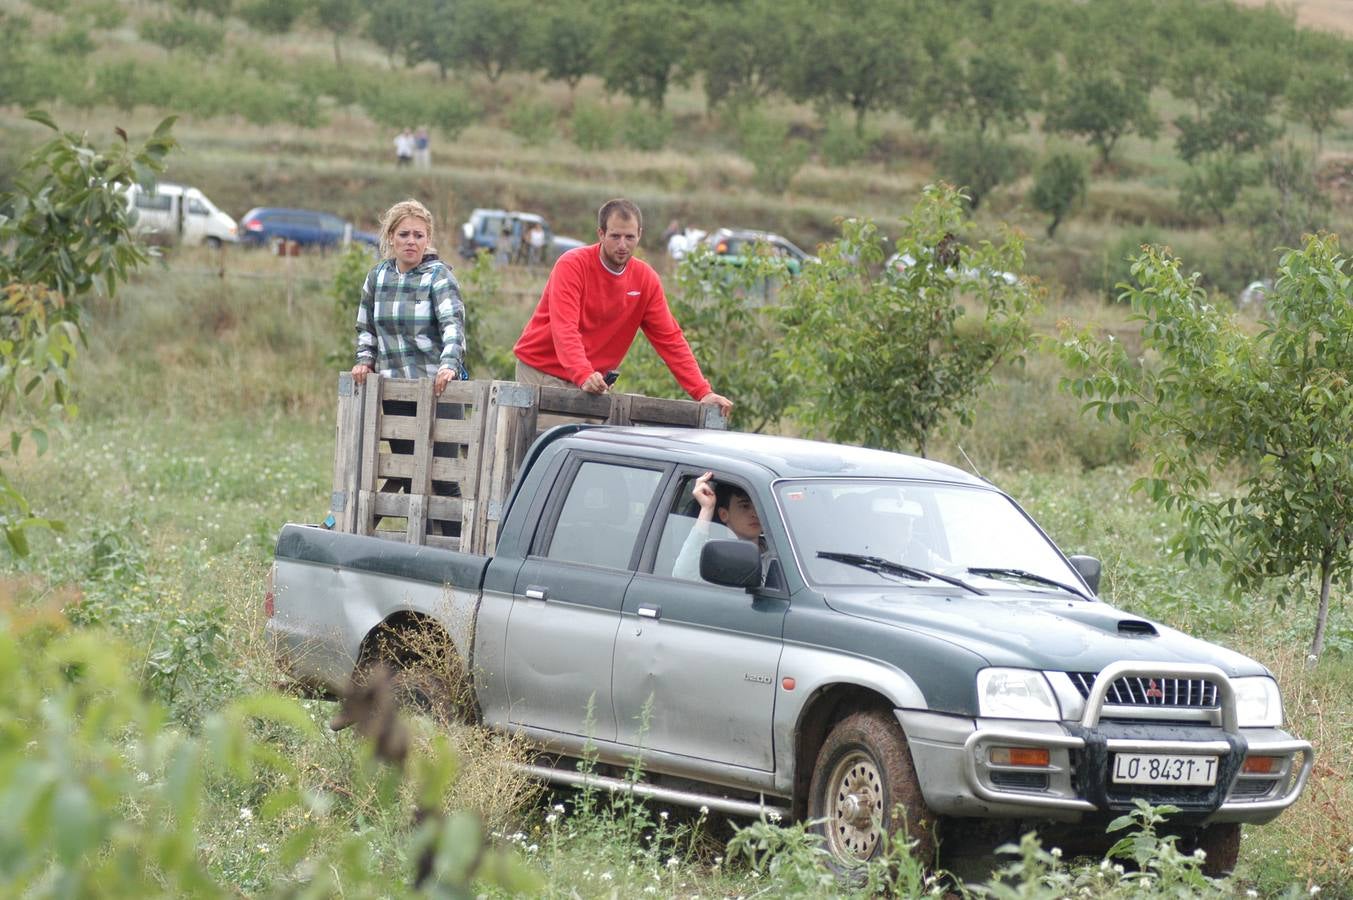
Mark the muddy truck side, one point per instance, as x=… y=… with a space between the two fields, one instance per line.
x=901 y=647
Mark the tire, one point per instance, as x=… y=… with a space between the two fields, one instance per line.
x=864 y=787
x=213 y=243
x=1221 y=843
x=428 y=676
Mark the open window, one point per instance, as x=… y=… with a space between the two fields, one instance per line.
x=736 y=517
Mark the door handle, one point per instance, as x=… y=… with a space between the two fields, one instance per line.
x=536 y=592
x=650 y=612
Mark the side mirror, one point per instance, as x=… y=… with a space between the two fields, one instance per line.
x=731 y=563
x=1089 y=569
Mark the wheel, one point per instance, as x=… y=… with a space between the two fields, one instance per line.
x=864 y=787
x=1221 y=843
x=428 y=676
x=214 y=243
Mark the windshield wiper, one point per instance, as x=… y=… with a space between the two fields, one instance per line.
x=887 y=566
x=1024 y=575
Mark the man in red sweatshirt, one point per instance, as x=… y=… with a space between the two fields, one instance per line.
x=596 y=300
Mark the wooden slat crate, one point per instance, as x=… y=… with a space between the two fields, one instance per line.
x=464 y=486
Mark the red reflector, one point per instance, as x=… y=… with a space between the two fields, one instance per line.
x=254 y=225
x=1261 y=765
x=722 y=248
x=269 y=605
x=787 y=683
x=1020 y=756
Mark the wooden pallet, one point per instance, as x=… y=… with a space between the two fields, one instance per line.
x=462 y=485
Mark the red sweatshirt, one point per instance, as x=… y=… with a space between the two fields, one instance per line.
x=588 y=317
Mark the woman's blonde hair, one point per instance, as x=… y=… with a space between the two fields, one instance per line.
x=392 y=217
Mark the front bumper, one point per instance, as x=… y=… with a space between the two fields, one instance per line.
x=953 y=758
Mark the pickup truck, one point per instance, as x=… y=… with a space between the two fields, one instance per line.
x=903 y=648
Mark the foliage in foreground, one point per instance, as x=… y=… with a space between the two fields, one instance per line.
x=1278 y=405
x=65 y=233
x=102 y=797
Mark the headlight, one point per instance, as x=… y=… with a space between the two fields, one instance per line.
x=1258 y=702
x=1015 y=694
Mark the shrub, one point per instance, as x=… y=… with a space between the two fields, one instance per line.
x=74 y=41
x=179 y=33
x=1059 y=187
x=978 y=163
x=766 y=144
x=842 y=144
x=531 y=120
x=593 y=126
x=647 y=129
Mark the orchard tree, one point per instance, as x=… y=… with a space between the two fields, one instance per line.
x=866 y=55
x=1322 y=86
x=491 y=36
x=740 y=50
x=565 y=41
x=338 y=17
x=1103 y=106
x=729 y=317
x=67 y=233
x=979 y=163
x=270 y=16
x=1059 y=187
x=1276 y=406
x=644 y=47
x=885 y=359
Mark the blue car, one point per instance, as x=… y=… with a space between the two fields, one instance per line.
x=264 y=225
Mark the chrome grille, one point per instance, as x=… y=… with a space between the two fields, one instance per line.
x=1180 y=693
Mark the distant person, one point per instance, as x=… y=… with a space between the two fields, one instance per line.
x=411 y=323
x=536 y=239
x=404 y=145
x=735 y=511
x=595 y=302
x=503 y=247
x=422 y=152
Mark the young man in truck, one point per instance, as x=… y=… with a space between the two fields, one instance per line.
x=733 y=508
x=595 y=302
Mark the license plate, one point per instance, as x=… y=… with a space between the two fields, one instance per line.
x=1164 y=768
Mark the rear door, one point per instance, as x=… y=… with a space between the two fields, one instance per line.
x=696 y=664
x=566 y=603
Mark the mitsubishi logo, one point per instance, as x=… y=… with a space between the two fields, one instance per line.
x=1153 y=690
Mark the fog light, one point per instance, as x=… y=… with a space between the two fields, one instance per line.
x=1262 y=765
x=1019 y=756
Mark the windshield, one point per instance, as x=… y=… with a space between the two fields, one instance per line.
x=944 y=528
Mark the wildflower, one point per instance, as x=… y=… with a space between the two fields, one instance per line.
x=606 y=876
x=263 y=848
x=246 y=813
x=532 y=848
x=704 y=810
x=650 y=889
x=672 y=862
x=1315 y=889
x=558 y=807
x=1251 y=893
x=551 y=819
x=1056 y=852
x=718 y=861
x=663 y=815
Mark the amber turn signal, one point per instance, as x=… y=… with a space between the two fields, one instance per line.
x=1019 y=756
x=1261 y=765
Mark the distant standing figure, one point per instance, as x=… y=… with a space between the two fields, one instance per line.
x=422 y=154
x=536 y=239
x=504 y=246
x=404 y=148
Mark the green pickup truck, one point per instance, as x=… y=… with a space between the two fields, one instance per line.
x=901 y=647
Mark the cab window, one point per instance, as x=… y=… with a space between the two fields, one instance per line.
x=736 y=516
x=602 y=514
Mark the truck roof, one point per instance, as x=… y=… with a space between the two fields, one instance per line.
x=785 y=457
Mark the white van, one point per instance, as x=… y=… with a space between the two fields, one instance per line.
x=172 y=213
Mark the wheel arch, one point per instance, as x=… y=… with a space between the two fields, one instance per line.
x=828 y=705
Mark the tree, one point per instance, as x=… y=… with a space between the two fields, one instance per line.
x=1102 y=106
x=644 y=46
x=1059 y=186
x=67 y=232
x=1322 y=86
x=492 y=36
x=270 y=16
x=1276 y=406
x=338 y=17
x=726 y=313
x=740 y=49
x=978 y=163
x=866 y=54
x=885 y=359
x=180 y=33
x=565 y=42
